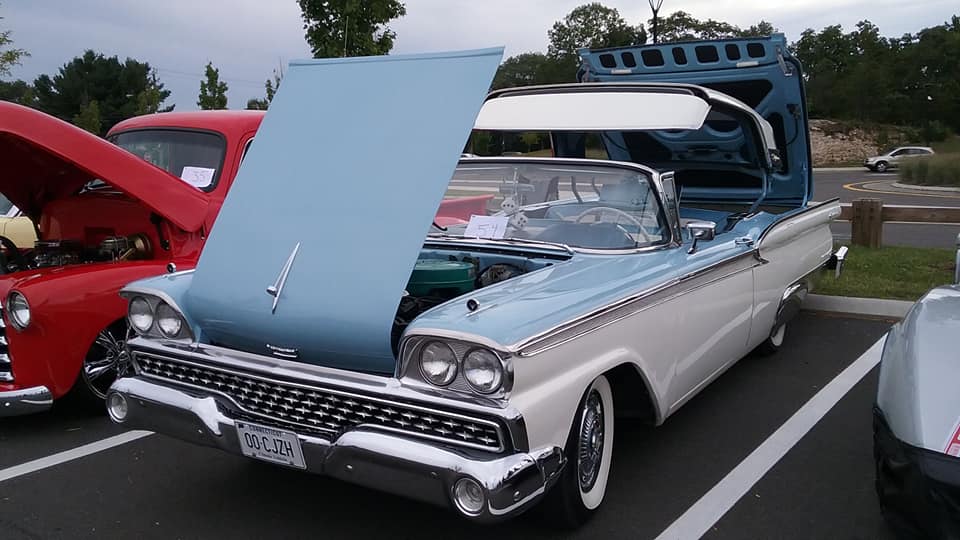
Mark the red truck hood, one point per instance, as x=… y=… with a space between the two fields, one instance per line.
x=43 y=158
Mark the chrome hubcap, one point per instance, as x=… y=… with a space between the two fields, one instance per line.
x=106 y=361
x=590 y=445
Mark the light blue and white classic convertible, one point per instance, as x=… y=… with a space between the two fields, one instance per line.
x=479 y=366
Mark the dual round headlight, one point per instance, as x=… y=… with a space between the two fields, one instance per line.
x=143 y=316
x=18 y=310
x=482 y=368
x=438 y=363
x=140 y=314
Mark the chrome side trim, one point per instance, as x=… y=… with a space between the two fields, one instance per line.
x=633 y=304
x=811 y=207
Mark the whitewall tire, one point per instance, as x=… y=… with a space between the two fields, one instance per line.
x=773 y=343
x=589 y=451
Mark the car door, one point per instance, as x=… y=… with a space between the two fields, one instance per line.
x=713 y=313
x=897 y=155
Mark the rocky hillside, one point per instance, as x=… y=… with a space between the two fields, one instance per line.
x=836 y=143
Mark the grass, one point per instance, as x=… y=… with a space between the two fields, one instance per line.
x=949 y=146
x=937 y=170
x=899 y=273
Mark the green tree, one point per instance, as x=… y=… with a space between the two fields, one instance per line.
x=213 y=91
x=530 y=69
x=270 y=86
x=862 y=75
x=18 y=92
x=89 y=117
x=681 y=26
x=590 y=25
x=350 y=27
x=9 y=56
x=121 y=89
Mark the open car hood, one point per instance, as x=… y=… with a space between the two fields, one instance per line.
x=44 y=158
x=351 y=163
x=758 y=71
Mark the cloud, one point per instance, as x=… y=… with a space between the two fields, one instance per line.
x=248 y=39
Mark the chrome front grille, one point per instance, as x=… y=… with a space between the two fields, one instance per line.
x=321 y=410
x=6 y=366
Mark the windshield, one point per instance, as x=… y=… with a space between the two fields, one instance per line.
x=583 y=206
x=194 y=156
x=5 y=206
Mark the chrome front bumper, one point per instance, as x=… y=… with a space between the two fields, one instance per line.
x=25 y=401
x=389 y=462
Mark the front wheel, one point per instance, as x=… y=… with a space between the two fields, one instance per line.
x=589 y=450
x=106 y=361
x=881 y=167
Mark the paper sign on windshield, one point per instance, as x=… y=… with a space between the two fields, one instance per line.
x=486 y=227
x=199 y=177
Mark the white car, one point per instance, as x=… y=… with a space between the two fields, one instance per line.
x=891 y=159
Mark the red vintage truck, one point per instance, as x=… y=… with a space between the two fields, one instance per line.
x=106 y=212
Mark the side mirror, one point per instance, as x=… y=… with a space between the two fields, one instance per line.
x=701 y=230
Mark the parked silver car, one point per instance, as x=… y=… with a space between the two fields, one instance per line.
x=916 y=419
x=891 y=159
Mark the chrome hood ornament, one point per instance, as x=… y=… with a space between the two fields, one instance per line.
x=277 y=287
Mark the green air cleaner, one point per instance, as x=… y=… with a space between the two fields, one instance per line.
x=442 y=278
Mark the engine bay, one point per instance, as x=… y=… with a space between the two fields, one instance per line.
x=442 y=275
x=65 y=252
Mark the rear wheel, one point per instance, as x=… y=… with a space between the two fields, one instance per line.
x=589 y=450
x=106 y=361
x=773 y=343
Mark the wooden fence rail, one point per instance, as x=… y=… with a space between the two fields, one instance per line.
x=867 y=216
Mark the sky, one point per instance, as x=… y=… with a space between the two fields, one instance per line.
x=248 y=39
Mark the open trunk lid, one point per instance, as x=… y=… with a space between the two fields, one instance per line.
x=351 y=163
x=758 y=71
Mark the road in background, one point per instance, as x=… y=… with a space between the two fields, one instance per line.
x=831 y=184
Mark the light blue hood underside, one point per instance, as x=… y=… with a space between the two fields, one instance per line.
x=351 y=162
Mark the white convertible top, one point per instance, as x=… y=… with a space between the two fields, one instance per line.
x=611 y=110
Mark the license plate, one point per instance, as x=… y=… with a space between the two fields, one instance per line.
x=269 y=444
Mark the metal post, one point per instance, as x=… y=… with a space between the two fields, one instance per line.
x=655 y=7
x=956 y=270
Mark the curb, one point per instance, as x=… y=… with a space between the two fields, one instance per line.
x=926 y=188
x=839 y=169
x=872 y=307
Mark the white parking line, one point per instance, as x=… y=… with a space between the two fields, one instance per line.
x=698 y=519
x=70 y=455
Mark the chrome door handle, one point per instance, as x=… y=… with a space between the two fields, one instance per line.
x=744 y=241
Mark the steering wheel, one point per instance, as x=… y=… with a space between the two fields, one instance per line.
x=12 y=252
x=599 y=210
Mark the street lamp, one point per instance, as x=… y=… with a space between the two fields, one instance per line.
x=655 y=7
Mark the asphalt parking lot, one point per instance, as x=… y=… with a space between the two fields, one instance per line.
x=155 y=487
